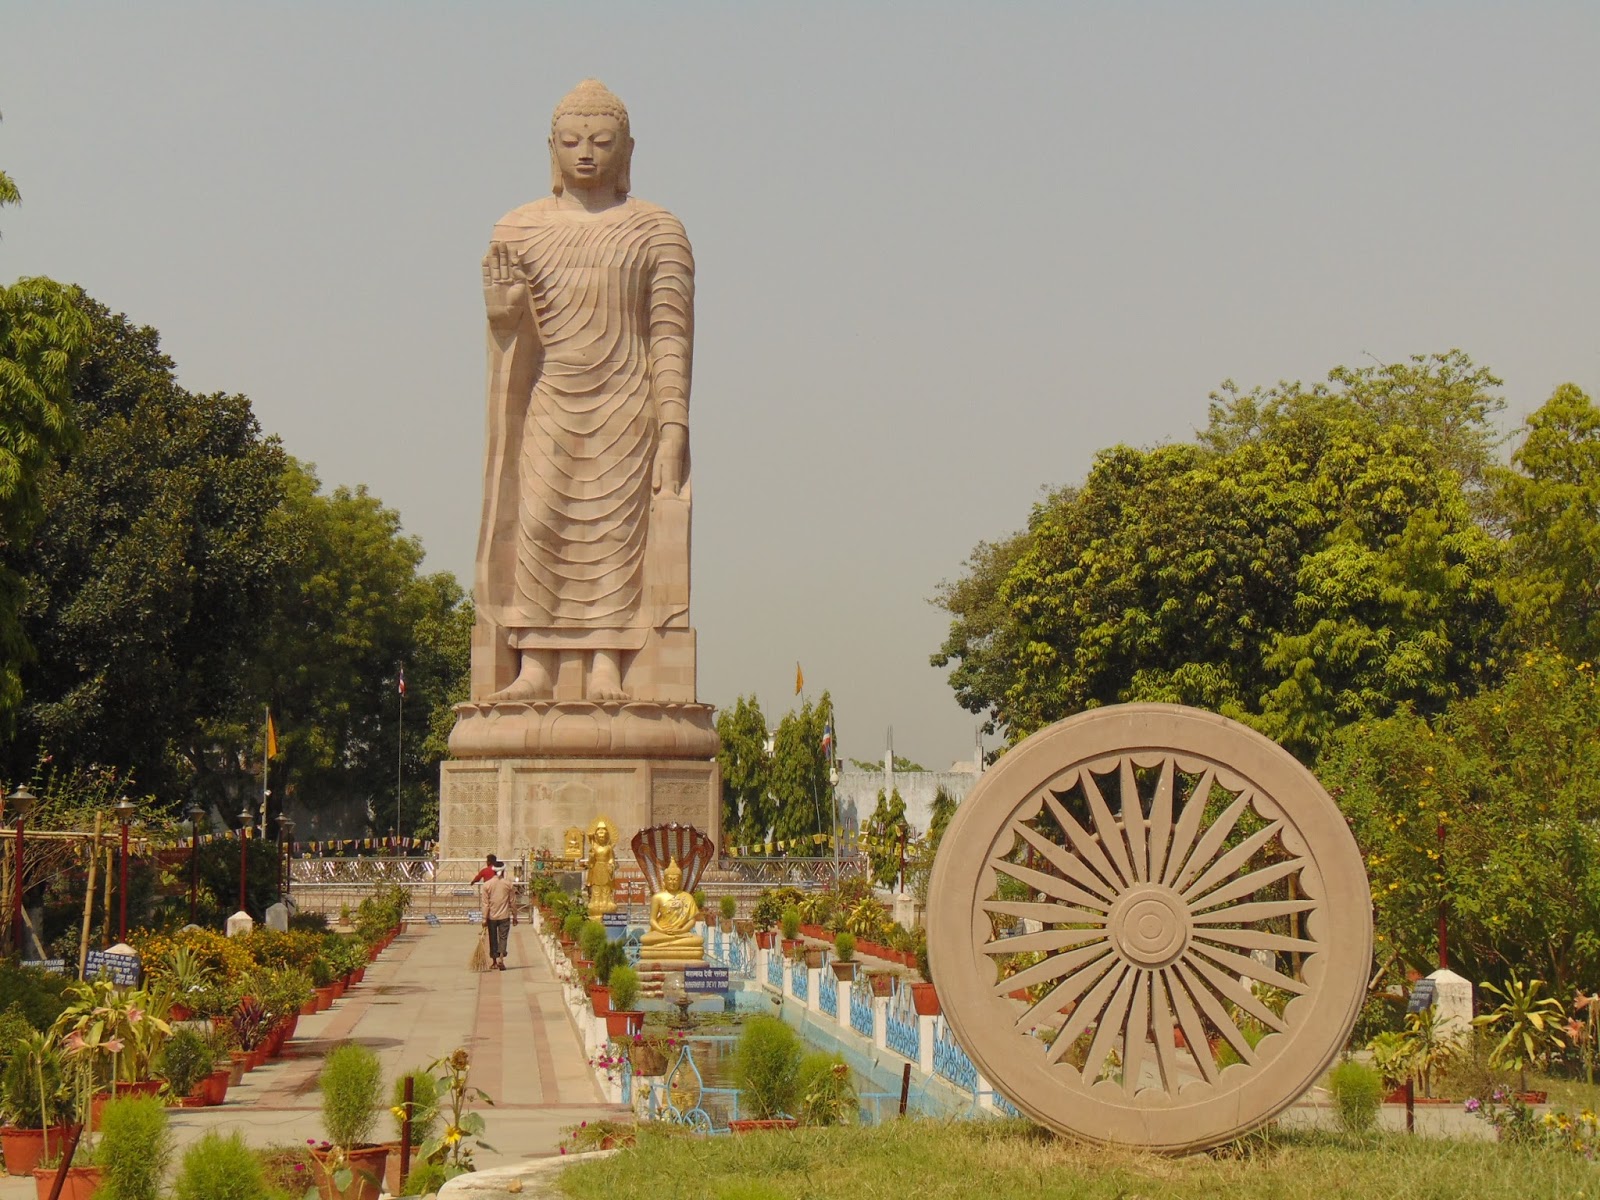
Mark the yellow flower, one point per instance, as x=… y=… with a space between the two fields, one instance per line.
x=399 y=1111
x=452 y=1135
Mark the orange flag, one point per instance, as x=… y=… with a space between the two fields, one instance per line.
x=799 y=679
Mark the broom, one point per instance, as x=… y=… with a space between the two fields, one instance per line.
x=480 y=951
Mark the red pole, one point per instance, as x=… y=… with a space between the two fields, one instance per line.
x=122 y=921
x=16 y=896
x=1444 y=928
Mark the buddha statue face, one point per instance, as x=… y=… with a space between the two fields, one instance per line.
x=601 y=835
x=672 y=878
x=590 y=151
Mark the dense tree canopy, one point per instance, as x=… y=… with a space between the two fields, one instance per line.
x=1312 y=559
x=782 y=795
x=187 y=574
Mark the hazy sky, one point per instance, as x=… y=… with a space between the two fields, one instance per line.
x=946 y=252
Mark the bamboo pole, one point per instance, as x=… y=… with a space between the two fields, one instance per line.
x=88 y=898
x=110 y=874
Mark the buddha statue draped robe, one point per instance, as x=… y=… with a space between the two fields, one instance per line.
x=578 y=550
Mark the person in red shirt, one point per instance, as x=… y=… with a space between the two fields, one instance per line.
x=488 y=871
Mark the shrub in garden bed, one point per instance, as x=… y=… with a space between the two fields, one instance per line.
x=1357 y=1091
x=766 y=1067
x=222 y=1167
x=134 y=1148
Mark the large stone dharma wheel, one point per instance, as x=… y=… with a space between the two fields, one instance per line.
x=1150 y=926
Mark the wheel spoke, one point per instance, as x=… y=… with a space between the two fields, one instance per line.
x=1240 y=964
x=1069 y=988
x=1232 y=990
x=1133 y=819
x=1110 y=1027
x=1053 y=967
x=1211 y=841
x=1066 y=863
x=1046 y=941
x=1194 y=810
x=1161 y=820
x=1087 y=847
x=1246 y=885
x=1257 y=939
x=1106 y=826
x=1265 y=910
x=1216 y=1014
x=1230 y=862
x=1049 y=914
x=1194 y=1030
x=1161 y=1029
x=1051 y=885
x=1138 y=1028
x=1089 y=1008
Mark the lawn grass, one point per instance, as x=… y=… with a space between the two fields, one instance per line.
x=1002 y=1160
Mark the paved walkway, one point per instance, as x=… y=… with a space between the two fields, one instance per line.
x=417 y=1003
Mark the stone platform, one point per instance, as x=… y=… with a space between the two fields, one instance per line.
x=511 y=806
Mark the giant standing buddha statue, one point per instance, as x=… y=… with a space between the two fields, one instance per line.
x=583 y=660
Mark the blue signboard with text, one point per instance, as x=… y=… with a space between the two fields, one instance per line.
x=705 y=979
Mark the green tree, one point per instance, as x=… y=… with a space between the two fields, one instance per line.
x=1512 y=778
x=747 y=810
x=1312 y=560
x=1550 y=503
x=149 y=579
x=42 y=338
x=886 y=827
x=353 y=610
x=799 y=784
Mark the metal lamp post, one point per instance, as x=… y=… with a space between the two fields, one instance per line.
x=285 y=835
x=124 y=810
x=245 y=818
x=19 y=803
x=194 y=813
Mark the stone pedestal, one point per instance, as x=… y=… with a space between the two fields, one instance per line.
x=513 y=805
x=1452 y=1002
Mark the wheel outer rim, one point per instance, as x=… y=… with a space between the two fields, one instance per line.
x=1016 y=1065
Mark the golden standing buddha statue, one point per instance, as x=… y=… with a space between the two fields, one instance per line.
x=602 y=873
x=673 y=913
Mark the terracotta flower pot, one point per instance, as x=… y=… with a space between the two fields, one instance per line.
x=357 y=975
x=624 y=1024
x=24 y=1148
x=179 y=1012
x=600 y=1000
x=339 y=986
x=761 y=1126
x=815 y=956
x=764 y=939
x=98 y=1101
x=845 y=972
x=238 y=1064
x=366 y=1164
x=214 y=1087
x=80 y=1184
x=744 y=926
x=325 y=997
x=309 y=1008
x=925 y=1000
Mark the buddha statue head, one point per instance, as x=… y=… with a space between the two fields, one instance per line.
x=590 y=146
x=672 y=877
x=602 y=833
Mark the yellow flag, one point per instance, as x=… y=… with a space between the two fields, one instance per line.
x=272 y=736
x=799 y=679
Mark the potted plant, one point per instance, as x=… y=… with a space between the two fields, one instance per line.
x=35 y=1104
x=1531 y=1025
x=844 y=955
x=188 y=1062
x=351 y=1167
x=622 y=1019
x=766 y=1067
x=424 y=1116
x=727 y=906
x=134 y=1148
x=789 y=922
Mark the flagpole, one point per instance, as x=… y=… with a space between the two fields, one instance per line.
x=266 y=766
x=400 y=752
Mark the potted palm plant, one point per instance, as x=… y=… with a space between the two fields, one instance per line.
x=1531 y=1025
x=350 y=1167
x=35 y=1104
